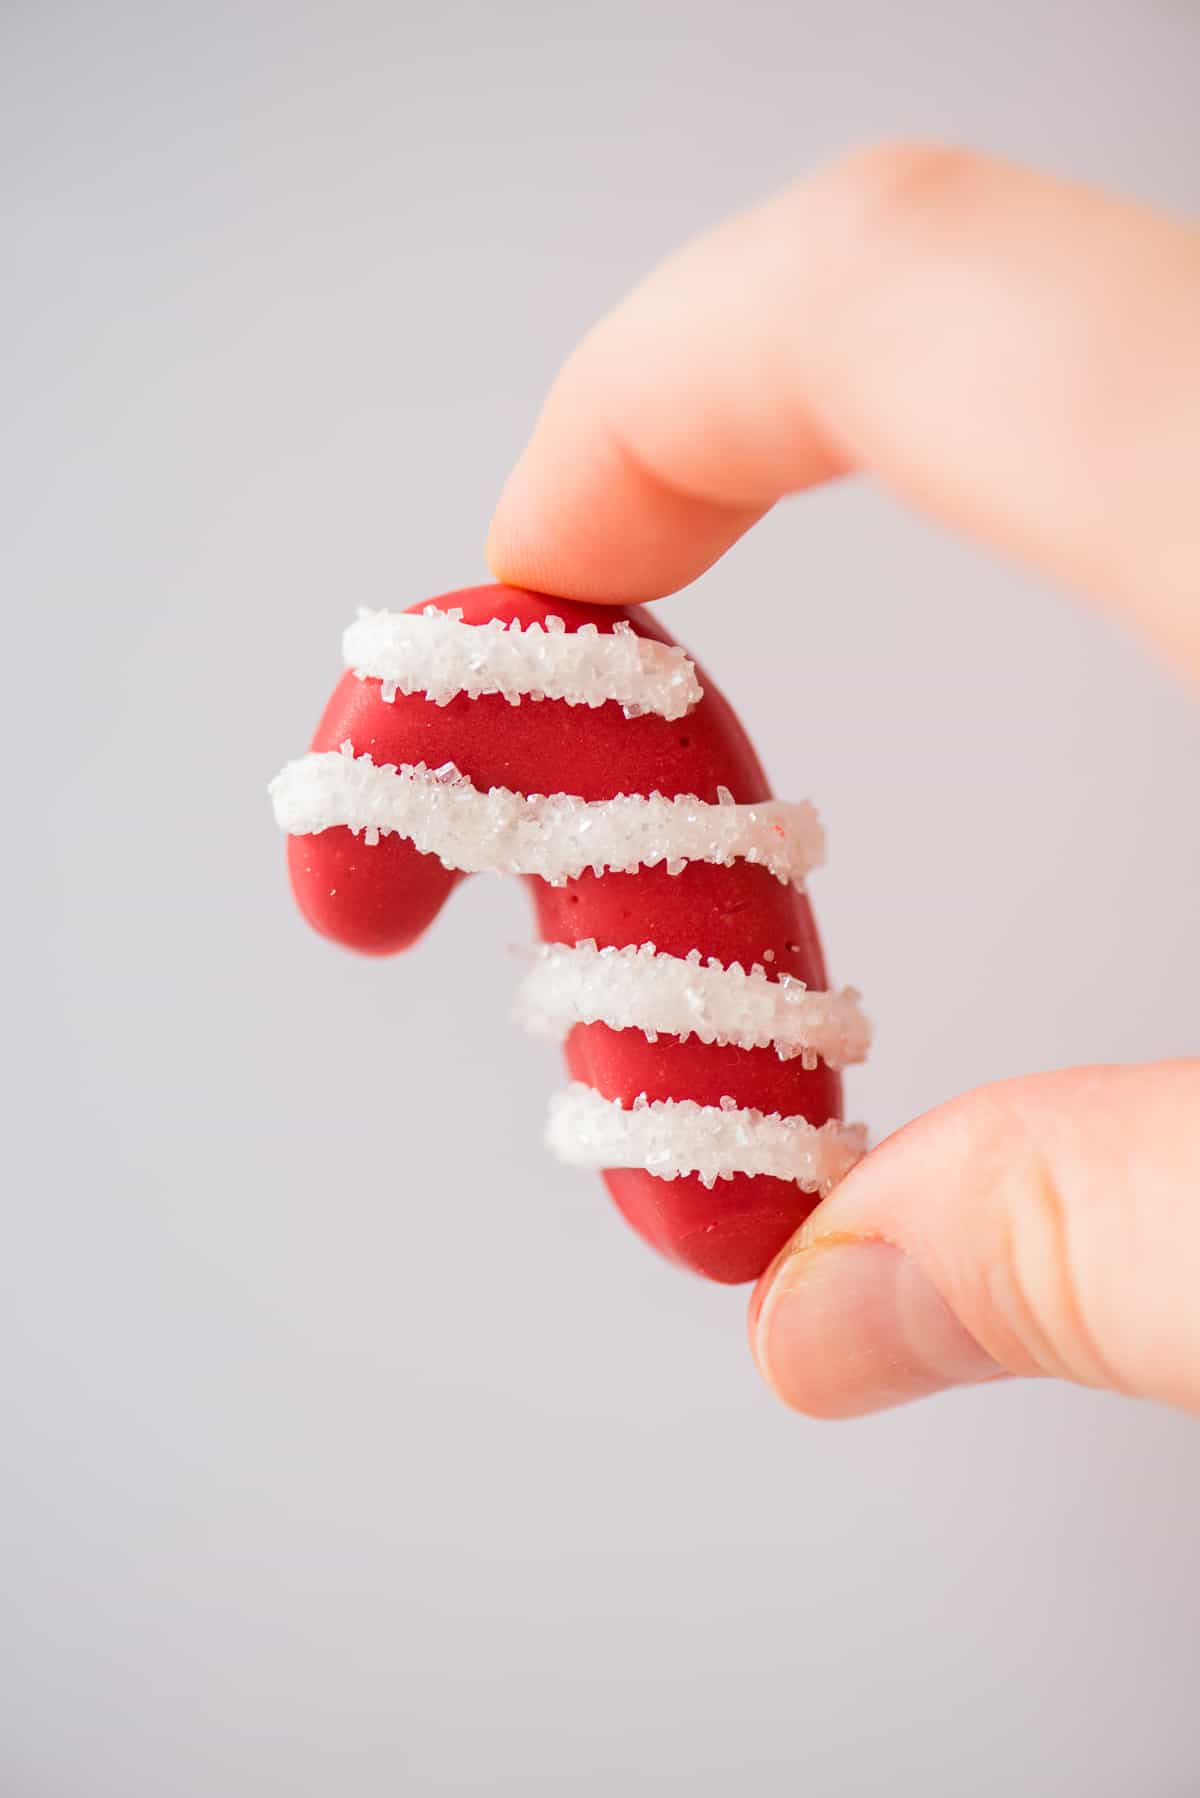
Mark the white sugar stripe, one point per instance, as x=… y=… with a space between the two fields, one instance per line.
x=638 y=988
x=670 y=1137
x=436 y=654
x=557 y=837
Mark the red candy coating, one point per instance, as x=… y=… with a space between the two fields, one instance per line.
x=379 y=899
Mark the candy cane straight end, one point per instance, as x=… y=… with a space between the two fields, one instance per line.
x=498 y=731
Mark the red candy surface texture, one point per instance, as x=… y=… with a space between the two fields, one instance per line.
x=376 y=892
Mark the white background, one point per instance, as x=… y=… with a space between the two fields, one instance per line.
x=347 y=1444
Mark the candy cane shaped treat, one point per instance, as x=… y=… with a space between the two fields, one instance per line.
x=579 y=747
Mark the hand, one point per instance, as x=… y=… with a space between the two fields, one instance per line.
x=1020 y=358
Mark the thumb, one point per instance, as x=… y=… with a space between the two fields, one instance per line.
x=1043 y=1226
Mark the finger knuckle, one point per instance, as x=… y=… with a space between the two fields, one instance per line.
x=1035 y=1278
x=898 y=186
x=885 y=212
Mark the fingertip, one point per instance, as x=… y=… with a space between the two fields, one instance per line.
x=766 y=1281
x=847 y=1326
x=511 y=552
x=580 y=519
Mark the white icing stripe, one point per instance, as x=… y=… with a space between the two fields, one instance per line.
x=640 y=989
x=669 y=1137
x=557 y=837
x=436 y=654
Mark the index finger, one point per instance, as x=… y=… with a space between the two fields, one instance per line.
x=1017 y=355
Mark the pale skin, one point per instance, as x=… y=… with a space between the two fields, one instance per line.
x=1020 y=358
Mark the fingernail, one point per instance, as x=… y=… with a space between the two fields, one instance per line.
x=850 y=1326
